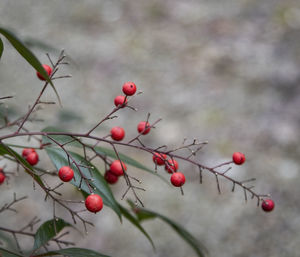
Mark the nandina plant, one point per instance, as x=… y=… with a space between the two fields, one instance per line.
x=73 y=155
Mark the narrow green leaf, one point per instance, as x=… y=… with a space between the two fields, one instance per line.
x=136 y=223
x=6 y=253
x=6 y=150
x=101 y=150
x=123 y=157
x=96 y=180
x=141 y=215
x=74 y=252
x=67 y=140
x=1 y=48
x=7 y=241
x=200 y=249
x=48 y=230
x=28 y=56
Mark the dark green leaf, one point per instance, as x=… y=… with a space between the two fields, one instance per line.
x=141 y=215
x=6 y=253
x=59 y=138
x=47 y=231
x=7 y=241
x=201 y=251
x=74 y=252
x=96 y=180
x=98 y=149
x=27 y=55
x=1 y=48
x=136 y=223
x=6 y=150
x=128 y=160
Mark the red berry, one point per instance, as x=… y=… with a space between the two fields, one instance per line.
x=120 y=101
x=238 y=158
x=143 y=127
x=94 y=203
x=32 y=158
x=47 y=68
x=65 y=173
x=27 y=151
x=117 y=133
x=2 y=177
x=110 y=177
x=171 y=166
x=129 y=88
x=116 y=168
x=268 y=205
x=177 y=179
x=159 y=158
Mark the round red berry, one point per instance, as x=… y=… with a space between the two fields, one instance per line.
x=116 y=168
x=171 y=166
x=143 y=127
x=94 y=203
x=27 y=151
x=177 y=179
x=117 y=133
x=2 y=177
x=238 y=158
x=32 y=158
x=120 y=101
x=159 y=158
x=110 y=177
x=65 y=173
x=268 y=205
x=47 y=68
x=129 y=88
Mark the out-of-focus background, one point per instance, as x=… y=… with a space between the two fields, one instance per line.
x=223 y=71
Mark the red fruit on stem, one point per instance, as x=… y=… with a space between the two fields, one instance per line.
x=143 y=127
x=159 y=158
x=65 y=173
x=129 y=88
x=110 y=177
x=27 y=151
x=2 y=176
x=238 y=158
x=116 y=168
x=171 y=166
x=120 y=101
x=94 y=203
x=177 y=179
x=32 y=158
x=268 y=205
x=47 y=68
x=117 y=133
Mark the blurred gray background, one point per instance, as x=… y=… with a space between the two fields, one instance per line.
x=223 y=71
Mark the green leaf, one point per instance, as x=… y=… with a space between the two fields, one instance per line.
x=74 y=252
x=28 y=56
x=136 y=223
x=7 y=241
x=143 y=214
x=96 y=180
x=1 y=48
x=48 y=230
x=101 y=150
x=59 y=138
x=6 y=150
x=6 y=253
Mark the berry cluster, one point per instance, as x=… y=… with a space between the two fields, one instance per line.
x=117 y=168
x=30 y=156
